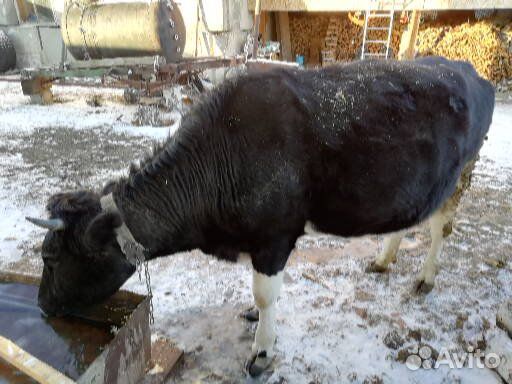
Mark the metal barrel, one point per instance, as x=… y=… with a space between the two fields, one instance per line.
x=98 y=31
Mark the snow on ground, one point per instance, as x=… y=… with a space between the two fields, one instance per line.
x=28 y=175
x=71 y=110
x=336 y=324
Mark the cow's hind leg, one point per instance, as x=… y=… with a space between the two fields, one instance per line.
x=266 y=289
x=388 y=254
x=441 y=224
x=425 y=280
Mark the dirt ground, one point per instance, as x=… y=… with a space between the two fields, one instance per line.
x=335 y=323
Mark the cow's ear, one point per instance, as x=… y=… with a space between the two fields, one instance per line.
x=101 y=229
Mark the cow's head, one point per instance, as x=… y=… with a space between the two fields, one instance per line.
x=83 y=263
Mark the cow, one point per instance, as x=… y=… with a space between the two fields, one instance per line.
x=364 y=148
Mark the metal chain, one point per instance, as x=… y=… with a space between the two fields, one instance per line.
x=136 y=254
x=142 y=262
x=149 y=292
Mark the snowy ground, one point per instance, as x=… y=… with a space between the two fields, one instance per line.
x=336 y=324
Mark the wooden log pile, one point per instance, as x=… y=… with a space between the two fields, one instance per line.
x=330 y=41
x=307 y=32
x=483 y=43
x=312 y=35
x=350 y=40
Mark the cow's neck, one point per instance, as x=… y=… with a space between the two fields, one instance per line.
x=167 y=204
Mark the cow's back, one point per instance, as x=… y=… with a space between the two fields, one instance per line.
x=391 y=139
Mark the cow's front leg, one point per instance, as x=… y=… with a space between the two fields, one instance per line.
x=266 y=290
x=388 y=254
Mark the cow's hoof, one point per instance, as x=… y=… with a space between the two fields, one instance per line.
x=257 y=364
x=252 y=314
x=422 y=287
x=375 y=268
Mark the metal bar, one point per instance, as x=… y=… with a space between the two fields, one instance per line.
x=377 y=28
x=376 y=41
x=200 y=64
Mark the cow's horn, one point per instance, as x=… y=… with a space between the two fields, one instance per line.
x=51 y=224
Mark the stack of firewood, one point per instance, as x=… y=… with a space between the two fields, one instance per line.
x=313 y=35
x=330 y=41
x=482 y=43
x=350 y=39
x=307 y=32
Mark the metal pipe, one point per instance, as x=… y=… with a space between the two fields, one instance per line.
x=98 y=31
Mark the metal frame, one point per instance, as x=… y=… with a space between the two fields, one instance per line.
x=149 y=75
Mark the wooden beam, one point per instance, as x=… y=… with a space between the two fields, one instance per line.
x=165 y=356
x=363 y=5
x=264 y=30
x=283 y=35
x=30 y=365
x=407 y=49
x=256 y=31
x=21 y=7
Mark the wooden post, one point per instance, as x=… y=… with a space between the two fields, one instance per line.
x=34 y=6
x=263 y=26
x=22 y=10
x=408 y=42
x=256 y=30
x=30 y=365
x=283 y=35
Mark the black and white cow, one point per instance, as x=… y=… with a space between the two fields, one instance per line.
x=368 y=147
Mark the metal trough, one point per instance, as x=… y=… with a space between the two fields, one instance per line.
x=126 y=358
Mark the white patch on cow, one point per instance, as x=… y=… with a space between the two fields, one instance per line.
x=390 y=249
x=266 y=290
